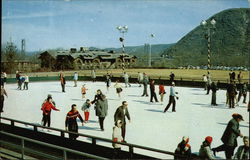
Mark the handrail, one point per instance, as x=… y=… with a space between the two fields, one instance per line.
x=94 y=138
x=52 y=146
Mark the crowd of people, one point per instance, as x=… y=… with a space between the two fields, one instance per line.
x=100 y=104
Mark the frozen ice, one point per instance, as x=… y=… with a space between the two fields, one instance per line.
x=194 y=116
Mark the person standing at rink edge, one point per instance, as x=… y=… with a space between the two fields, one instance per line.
x=75 y=79
x=3 y=92
x=120 y=114
x=71 y=123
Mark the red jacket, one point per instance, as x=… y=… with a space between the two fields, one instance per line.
x=161 y=89
x=47 y=106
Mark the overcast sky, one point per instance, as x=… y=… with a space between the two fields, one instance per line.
x=73 y=23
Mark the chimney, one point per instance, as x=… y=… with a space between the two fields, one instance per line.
x=73 y=50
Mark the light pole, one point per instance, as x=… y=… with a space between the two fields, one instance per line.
x=123 y=30
x=208 y=26
x=150 y=51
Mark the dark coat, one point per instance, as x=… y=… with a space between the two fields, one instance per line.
x=71 y=122
x=231 y=133
x=119 y=114
x=101 y=108
x=214 y=87
x=242 y=153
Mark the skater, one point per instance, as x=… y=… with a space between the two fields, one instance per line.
x=120 y=114
x=75 y=79
x=214 y=89
x=140 y=78
x=209 y=82
x=85 y=109
x=243 y=151
x=231 y=91
x=63 y=82
x=171 y=77
x=183 y=149
x=97 y=96
x=229 y=137
x=93 y=75
x=161 y=91
x=108 y=81
x=242 y=91
x=126 y=79
x=118 y=88
x=205 y=81
x=239 y=77
x=117 y=137
x=4 y=77
x=145 y=85
x=3 y=92
x=205 y=151
x=101 y=110
x=172 y=98
x=70 y=122
x=17 y=79
x=152 y=91
x=53 y=102
x=46 y=108
x=83 y=91
x=26 y=82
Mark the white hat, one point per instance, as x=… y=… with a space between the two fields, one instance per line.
x=186 y=139
x=173 y=83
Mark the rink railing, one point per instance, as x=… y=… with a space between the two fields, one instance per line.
x=93 y=138
x=23 y=149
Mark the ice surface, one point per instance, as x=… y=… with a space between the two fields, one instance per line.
x=149 y=126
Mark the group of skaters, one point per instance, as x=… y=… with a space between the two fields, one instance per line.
x=229 y=144
x=22 y=81
x=234 y=90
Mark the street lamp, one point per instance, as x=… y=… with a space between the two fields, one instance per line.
x=150 y=51
x=123 y=30
x=208 y=26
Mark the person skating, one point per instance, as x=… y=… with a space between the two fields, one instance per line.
x=126 y=79
x=70 y=122
x=101 y=108
x=63 y=82
x=85 y=109
x=161 y=91
x=205 y=151
x=183 y=149
x=172 y=98
x=214 y=89
x=243 y=151
x=209 y=82
x=242 y=91
x=118 y=88
x=93 y=75
x=120 y=114
x=75 y=78
x=54 y=103
x=3 y=93
x=230 y=135
x=152 y=91
x=83 y=91
x=145 y=85
x=26 y=82
x=117 y=137
x=108 y=81
x=18 y=79
x=205 y=81
x=46 y=108
x=97 y=96
x=140 y=78
x=239 y=77
x=171 y=77
x=231 y=91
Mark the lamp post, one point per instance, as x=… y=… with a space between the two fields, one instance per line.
x=208 y=26
x=150 y=51
x=123 y=30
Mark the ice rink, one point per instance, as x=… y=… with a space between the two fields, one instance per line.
x=149 y=126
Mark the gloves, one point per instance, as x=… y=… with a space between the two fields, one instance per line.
x=177 y=98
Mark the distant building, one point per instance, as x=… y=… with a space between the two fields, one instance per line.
x=84 y=59
x=20 y=65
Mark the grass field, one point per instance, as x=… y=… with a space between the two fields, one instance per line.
x=184 y=74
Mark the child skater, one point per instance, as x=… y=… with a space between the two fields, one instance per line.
x=85 y=109
x=83 y=90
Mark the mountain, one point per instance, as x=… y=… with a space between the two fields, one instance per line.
x=230 y=41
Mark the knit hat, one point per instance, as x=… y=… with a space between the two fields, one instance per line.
x=209 y=139
x=49 y=96
x=186 y=139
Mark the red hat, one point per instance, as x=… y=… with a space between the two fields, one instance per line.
x=209 y=139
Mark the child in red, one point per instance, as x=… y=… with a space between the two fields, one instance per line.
x=46 y=108
x=83 y=90
x=161 y=91
x=85 y=108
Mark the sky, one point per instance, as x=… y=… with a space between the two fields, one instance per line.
x=50 y=24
